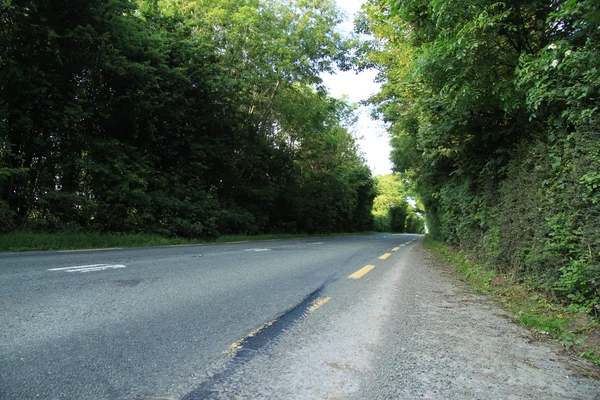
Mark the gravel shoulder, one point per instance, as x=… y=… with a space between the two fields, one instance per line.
x=412 y=330
x=455 y=344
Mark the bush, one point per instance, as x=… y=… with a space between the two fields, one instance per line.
x=7 y=218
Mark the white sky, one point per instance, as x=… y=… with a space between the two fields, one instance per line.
x=373 y=138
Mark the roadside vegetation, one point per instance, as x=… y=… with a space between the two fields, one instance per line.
x=165 y=119
x=392 y=211
x=544 y=315
x=27 y=241
x=493 y=109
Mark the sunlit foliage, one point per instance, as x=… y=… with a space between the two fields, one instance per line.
x=493 y=115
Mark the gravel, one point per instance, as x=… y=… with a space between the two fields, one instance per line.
x=445 y=342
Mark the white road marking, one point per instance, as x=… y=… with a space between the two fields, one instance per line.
x=116 y=266
x=316 y=243
x=88 y=268
x=82 y=266
x=257 y=250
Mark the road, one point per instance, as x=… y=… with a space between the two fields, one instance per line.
x=359 y=317
x=160 y=322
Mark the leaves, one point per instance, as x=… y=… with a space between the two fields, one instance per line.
x=176 y=117
x=492 y=112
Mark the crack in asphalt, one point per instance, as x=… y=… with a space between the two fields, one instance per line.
x=251 y=345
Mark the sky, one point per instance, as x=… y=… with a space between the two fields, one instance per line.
x=372 y=136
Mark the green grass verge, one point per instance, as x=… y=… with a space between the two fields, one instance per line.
x=530 y=308
x=27 y=241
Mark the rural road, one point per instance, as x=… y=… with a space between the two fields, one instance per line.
x=347 y=317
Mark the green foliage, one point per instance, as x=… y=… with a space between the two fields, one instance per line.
x=579 y=282
x=593 y=356
x=27 y=241
x=7 y=217
x=391 y=211
x=176 y=118
x=397 y=216
x=414 y=223
x=492 y=112
x=381 y=223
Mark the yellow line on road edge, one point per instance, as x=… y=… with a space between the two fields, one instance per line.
x=361 y=272
x=318 y=303
x=386 y=255
x=395 y=249
x=235 y=347
x=239 y=344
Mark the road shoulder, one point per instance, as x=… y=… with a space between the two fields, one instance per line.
x=445 y=341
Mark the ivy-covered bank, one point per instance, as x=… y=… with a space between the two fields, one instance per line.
x=493 y=111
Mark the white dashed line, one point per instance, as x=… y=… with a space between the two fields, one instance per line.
x=88 y=268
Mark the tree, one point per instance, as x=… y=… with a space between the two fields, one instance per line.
x=391 y=207
x=176 y=117
x=482 y=98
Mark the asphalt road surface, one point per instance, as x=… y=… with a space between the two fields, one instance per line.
x=360 y=317
x=159 y=322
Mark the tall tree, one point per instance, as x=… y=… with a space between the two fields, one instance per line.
x=175 y=117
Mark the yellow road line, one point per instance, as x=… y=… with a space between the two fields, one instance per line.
x=239 y=344
x=235 y=347
x=386 y=255
x=361 y=272
x=318 y=303
x=395 y=249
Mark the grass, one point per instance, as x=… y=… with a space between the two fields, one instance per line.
x=532 y=309
x=27 y=241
